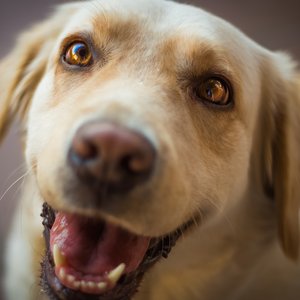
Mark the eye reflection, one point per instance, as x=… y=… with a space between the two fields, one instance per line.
x=78 y=54
x=214 y=90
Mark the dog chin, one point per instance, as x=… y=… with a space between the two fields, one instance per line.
x=88 y=258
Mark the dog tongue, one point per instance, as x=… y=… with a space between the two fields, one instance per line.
x=93 y=247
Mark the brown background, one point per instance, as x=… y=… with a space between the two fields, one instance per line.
x=274 y=24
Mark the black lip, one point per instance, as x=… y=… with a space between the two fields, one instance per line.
x=128 y=284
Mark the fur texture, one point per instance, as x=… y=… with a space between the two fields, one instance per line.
x=236 y=169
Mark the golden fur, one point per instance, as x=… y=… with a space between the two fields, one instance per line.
x=237 y=171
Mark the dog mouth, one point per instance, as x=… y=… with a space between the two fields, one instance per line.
x=93 y=259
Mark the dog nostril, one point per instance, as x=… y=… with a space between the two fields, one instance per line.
x=83 y=150
x=138 y=164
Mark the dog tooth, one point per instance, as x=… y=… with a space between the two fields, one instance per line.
x=76 y=284
x=59 y=259
x=71 y=278
x=62 y=273
x=115 y=274
x=102 y=286
x=91 y=284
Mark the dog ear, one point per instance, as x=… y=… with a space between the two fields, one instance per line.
x=24 y=67
x=282 y=148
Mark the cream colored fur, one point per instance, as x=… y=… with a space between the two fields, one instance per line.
x=236 y=171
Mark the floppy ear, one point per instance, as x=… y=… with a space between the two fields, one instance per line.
x=23 y=68
x=282 y=147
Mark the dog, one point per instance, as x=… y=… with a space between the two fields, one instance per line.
x=151 y=126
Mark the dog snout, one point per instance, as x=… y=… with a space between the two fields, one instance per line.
x=110 y=157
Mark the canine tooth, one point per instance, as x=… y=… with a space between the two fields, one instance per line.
x=102 y=286
x=115 y=274
x=59 y=259
x=91 y=284
x=76 y=284
x=62 y=273
x=71 y=278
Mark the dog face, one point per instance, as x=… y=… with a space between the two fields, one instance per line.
x=150 y=114
x=155 y=87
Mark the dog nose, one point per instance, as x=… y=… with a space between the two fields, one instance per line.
x=108 y=156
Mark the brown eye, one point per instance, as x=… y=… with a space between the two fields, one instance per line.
x=215 y=91
x=78 y=54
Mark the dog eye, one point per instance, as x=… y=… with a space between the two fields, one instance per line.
x=214 y=90
x=78 y=54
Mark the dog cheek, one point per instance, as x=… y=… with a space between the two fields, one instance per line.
x=49 y=178
x=39 y=123
x=46 y=157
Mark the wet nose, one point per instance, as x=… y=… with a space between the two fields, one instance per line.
x=111 y=157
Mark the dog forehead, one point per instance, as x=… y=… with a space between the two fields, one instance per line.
x=158 y=21
x=162 y=17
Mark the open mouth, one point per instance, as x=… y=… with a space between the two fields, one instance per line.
x=93 y=259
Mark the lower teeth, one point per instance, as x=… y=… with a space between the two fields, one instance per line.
x=72 y=282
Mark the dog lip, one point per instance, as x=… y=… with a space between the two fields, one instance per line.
x=126 y=286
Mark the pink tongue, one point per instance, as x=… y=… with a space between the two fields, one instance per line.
x=93 y=247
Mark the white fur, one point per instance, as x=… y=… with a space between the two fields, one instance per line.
x=235 y=253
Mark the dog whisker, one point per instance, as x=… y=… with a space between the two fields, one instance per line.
x=14 y=183
x=21 y=167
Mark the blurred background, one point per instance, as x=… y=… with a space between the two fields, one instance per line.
x=274 y=24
